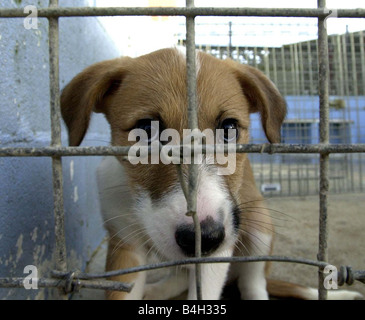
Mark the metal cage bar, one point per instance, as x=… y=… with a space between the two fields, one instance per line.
x=193 y=124
x=324 y=139
x=239 y=148
x=59 y=213
x=71 y=280
x=183 y=11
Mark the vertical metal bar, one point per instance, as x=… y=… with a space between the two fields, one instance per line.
x=294 y=71
x=193 y=124
x=341 y=92
x=274 y=65
x=230 y=40
x=56 y=141
x=323 y=85
x=298 y=126
x=362 y=59
x=340 y=74
x=362 y=82
x=356 y=96
x=275 y=77
x=283 y=62
x=267 y=72
x=311 y=81
x=284 y=91
x=266 y=62
x=255 y=57
x=346 y=85
x=301 y=70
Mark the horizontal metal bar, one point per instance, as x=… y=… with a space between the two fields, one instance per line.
x=239 y=148
x=73 y=281
x=74 y=284
x=346 y=275
x=182 y=11
x=188 y=261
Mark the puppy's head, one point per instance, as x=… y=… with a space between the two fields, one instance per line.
x=133 y=92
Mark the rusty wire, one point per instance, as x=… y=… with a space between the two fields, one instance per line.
x=183 y=11
x=61 y=253
x=323 y=88
x=73 y=280
x=192 y=187
x=239 y=148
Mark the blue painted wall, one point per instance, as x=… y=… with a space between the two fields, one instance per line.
x=26 y=201
x=307 y=108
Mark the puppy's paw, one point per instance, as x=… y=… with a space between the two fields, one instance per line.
x=154 y=291
x=344 y=295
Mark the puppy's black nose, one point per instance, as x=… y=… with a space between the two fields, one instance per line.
x=212 y=236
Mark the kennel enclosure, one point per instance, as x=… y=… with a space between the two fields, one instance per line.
x=71 y=280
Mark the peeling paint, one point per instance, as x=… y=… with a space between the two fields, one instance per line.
x=39 y=34
x=72 y=170
x=34 y=234
x=38 y=254
x=45 y=235
x=76 y=194
x=19 y=246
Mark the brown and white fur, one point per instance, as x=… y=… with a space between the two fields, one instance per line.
x=143 y=206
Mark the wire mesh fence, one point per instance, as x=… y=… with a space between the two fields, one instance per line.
x=300 y=74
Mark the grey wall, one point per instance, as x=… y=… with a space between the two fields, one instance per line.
x=26 y=203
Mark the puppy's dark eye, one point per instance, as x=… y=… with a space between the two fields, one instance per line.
x=151 y=127
x=229 y=129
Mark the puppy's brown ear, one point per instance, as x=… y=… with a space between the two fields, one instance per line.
x=87 y=92
x=264 y=98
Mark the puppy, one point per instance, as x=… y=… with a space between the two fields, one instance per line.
x=143 y=205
